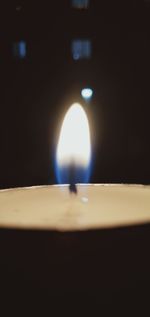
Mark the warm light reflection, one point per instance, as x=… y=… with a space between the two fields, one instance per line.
x=74 y=142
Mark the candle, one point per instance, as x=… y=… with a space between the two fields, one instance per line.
x=94 y=206
x=69 y=262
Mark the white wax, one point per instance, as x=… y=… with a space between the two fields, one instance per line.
x=95 y=206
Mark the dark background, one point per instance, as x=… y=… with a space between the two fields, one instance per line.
x=75 y=273
x=36 y=91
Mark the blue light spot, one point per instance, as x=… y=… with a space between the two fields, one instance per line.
x=81 y=49
x=87 y=93
x=80 y=4
x=19 y=49
x=76 y=56
x=22 y=49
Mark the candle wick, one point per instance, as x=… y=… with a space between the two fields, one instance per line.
x=72 y=171
x=73 y=188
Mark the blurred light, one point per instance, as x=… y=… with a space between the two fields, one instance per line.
x=18 y=8
x=87 y=93
x=19 y=49
x=80 y=4
x=81 y=49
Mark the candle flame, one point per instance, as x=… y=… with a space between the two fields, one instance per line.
x=74 y=146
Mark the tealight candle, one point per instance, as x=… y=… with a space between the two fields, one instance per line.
x=88 y=268
x=94 y=206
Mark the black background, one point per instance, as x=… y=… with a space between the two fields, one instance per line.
x=103 y=271
x=36 y=91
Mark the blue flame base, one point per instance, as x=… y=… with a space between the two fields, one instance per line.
x=72 y=174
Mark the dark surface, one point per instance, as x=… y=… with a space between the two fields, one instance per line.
x=36 y=92
x=96 y=272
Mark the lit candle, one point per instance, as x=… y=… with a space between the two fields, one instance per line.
x=94 y=206
x=89 y=267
